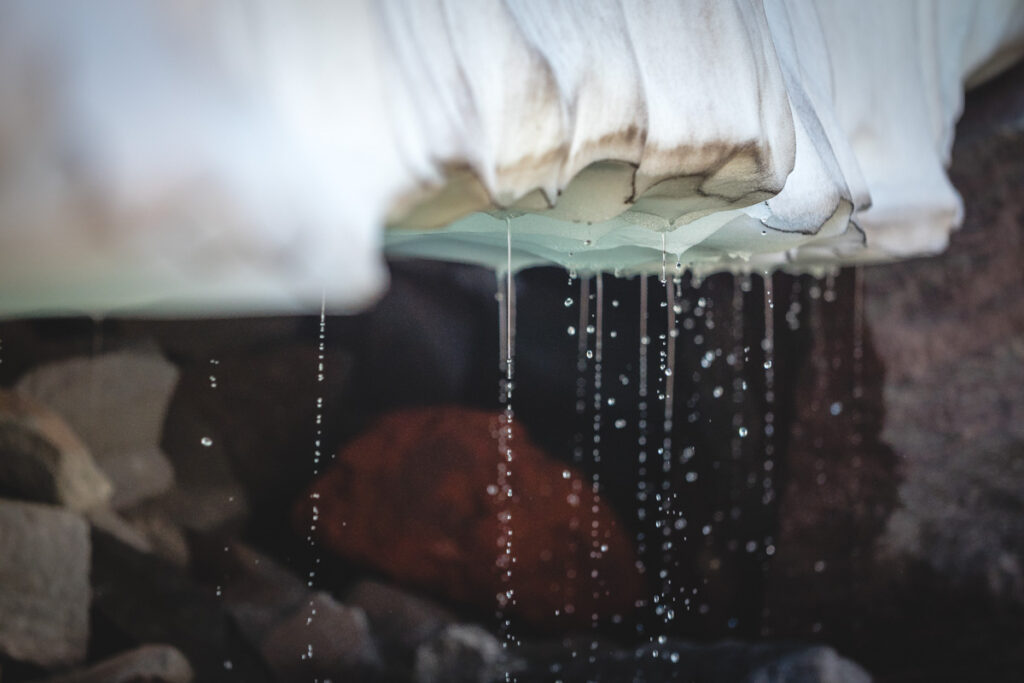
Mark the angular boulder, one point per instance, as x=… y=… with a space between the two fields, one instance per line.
x=117 y=403
x=44 y=584
x=43 y=460
x=416 y=498
x=149 y=663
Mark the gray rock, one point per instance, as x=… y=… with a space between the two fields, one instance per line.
x=107 y=520
x=44 y=584
x=401 y=621
x=951 y=332
x=811 y=665
x=461 y=653
x=116 y=403
x=165 y=538
x=43 y=460
x=962 y=498
x=322 y=639
x=261 y=593
x=207 y=496
x=149 y=663
x=140 y=598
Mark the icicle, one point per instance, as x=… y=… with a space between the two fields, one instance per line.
x=670 y=364
x=664 y=258
x=830 y=287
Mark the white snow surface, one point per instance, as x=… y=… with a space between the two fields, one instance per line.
x=172 y=158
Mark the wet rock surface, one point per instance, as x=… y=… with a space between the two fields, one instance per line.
x=415 y=458
x=44 y=584
x=680 y=660
x=146 y=664
x=116 y=403
x=401 y=621
x=321 y=639
x=139 y=598
x=460 y=653
x=43 y=460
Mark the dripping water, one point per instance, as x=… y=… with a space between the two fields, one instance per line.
x=643 y=481
x=314 y=495
x=506 y=596
x=595 y=489
x=768 y=346
x=857 y=391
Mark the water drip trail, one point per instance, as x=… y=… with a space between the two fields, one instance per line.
x=321 y=374
x=768 y=346
x=506 y=559
x=663 y=495
x=643 y=481
x=596 y=543
x=664 y=257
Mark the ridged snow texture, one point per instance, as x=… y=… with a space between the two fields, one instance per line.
x=225 y=156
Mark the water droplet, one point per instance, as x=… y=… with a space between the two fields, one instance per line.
x=742 y=432
x=620 y=423
x=836 y=408
x=568 y=301
x=206 y=441
x=819 y=566
x=566 y=474
x=571 y=330
x=228 y=665
x=717 y=392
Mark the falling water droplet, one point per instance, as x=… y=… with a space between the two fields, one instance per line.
x=206 y=441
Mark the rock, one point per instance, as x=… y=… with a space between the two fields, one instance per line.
x=149 y=663
x=322 y=639
x=116 y=403
x=951 y=331
x=44 y=584
x=165 y=538
x=672 y=659
x=260 y=441
x=207 y=496
x=43 y=460
x=261 y=593
x=139 y=598
x=107 y=520
x=811 y=665
x=459 y=654
x=424 y=479
x=401 y=621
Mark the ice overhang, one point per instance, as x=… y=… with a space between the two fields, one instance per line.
x=260 y=157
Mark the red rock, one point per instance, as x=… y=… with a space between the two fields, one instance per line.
x=414 y=497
